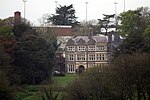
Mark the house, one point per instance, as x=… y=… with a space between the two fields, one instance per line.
x=83 y=52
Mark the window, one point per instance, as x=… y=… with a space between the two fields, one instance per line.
x=71 y=68
x=81 y=48
x=91 y=48
x=70 y=48
x=100 y=48
x=71 y=57
x=81 y=57
x=100 y=57
x=91 y=57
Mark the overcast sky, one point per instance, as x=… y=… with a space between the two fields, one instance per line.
x=35 y=9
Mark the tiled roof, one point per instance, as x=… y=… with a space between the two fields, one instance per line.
x=97 y=39
x=58 y=30
x=85 y=38
x=63 y=31
x=100 y=38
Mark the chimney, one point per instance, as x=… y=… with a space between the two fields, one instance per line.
x=90 y=32
x=110 y=47
x=110 y=36
x=17 y=16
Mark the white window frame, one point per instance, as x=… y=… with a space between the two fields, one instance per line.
x=100 y=57
x=70 y=48
x=71 y=57
x=100 y=47
x=91 y=48
x=71 y=68
x=81 y=48
x=81 y=57
x=91 y=57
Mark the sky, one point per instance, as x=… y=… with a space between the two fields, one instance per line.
x=35 y=9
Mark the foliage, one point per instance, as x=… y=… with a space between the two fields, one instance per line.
x=5 y=29
x=20 y=29
x=93 y=85
x=130 y=76
x=127 y=78
x=130 y=22
x=107 y=23
x=6 y=92
x=147 y=31
x=48 y=93
x=33 y=55
x=87 y=28
x=3 y=57
x=146 y=46
x=28 y=92
x=65 y=15
x=6 y=67
x=33 y=59
x=135 y=27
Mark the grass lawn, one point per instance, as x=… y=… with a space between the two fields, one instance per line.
x=32 y=92
x=63 y=81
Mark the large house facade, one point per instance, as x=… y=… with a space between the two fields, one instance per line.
x=83 y=52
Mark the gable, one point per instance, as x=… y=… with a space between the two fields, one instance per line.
x=81 y=42
x=91 y=41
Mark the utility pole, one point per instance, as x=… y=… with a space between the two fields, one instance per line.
x=56 y=4
x=24 y=9
x=86 y=11
x=124 y=5
x=115 y=12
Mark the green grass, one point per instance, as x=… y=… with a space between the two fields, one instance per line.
x=64 y=81
x=28 y=93
x=32 y=92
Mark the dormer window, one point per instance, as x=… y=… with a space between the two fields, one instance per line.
x=100 y=48
x=70 y=48
x=81 y=48
x=91 y=48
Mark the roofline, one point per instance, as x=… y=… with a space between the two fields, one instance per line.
x=59 y=26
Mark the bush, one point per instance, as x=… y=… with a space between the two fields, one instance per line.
x=6 y=92
x=94 y=84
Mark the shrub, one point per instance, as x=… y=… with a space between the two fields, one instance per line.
x=6 y=92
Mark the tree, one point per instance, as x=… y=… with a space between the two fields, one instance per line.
x=94 y=84
x=6 y=91
x=65 y=15
x=146 y=35
x=90 y=27
x=3 y=57
x=33 y=58
x=21 y=29
x=130 y=22
x=133 y=25
x=5 y=29
x=107 y=23
x=130 y=76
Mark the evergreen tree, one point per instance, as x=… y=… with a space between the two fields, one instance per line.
x=65 y=15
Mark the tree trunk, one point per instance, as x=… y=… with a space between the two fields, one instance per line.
x=139 y=92
x=148 y=92
x=144 y=95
